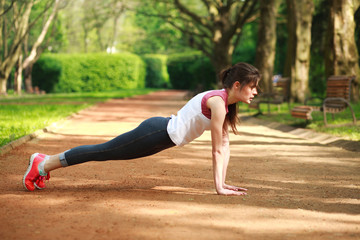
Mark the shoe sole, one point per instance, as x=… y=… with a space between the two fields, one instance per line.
x=37 y=186
x=31 y=161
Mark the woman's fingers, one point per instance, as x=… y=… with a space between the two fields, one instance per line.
x=235 y=188
x=229 y=192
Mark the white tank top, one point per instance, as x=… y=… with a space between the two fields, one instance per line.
x=194 y=118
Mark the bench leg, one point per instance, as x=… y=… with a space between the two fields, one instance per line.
x=325 y=120
x=353 y=114
x=351 y=109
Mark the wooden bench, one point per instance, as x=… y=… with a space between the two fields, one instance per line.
x=338 y=89
x=280 y=94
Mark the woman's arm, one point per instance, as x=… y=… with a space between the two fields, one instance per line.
x=219 y=153
x=226 y=147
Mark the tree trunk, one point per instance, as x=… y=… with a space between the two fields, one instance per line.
x=28 y=78
x=18 y=75
x=34 y=51
x=266 y=45
x=342 y=55
x=21 y=26
x=4 y=33
x=222 y=59
x=3 y=85
x=85 y=38
x=298 y=49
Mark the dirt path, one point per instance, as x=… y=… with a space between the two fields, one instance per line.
x=297 y=189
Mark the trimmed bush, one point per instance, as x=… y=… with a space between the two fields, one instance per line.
x=191 y=71
x=89 y=72
x=156 y=71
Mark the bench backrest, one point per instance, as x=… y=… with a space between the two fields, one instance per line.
x=338 y=87
x=282 y=88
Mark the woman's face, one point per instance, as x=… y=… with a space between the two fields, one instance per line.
x=247 y=93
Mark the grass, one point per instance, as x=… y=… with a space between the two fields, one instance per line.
x=20 y=116
x=340 y=126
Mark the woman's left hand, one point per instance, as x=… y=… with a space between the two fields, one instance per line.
x=234 y=188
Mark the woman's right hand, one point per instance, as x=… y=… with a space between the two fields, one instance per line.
x=229 y=192
x=234 y=188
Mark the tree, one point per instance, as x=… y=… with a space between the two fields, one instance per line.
x=20 y=15
x=94 y=25
x=299 y=18
x=154 y=34
x=213 y=27
x=16 y=26
x=34 y=54
x=342 y=55
x=265 y=51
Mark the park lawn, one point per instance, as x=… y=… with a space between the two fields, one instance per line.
x=20 y=116
x=341 y=126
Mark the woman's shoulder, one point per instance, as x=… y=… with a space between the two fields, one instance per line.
x=212 y=93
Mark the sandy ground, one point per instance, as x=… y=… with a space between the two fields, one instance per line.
x=297 y=189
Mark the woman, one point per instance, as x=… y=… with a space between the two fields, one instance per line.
x=214 y=110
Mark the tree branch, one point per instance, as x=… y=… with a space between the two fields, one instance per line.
x=187 y=31
x=204 y=32
x=41 y=37
x=192 y=15
x=8 y=9
x=203 y=47
x=243 y=15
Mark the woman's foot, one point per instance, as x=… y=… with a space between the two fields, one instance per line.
x=33 y=178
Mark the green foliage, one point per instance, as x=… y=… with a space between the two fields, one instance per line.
x=191 y=71
x=156 y=35
x=317 y=78
x=357 y=30
x=281 y=40
x=246 y=49
x=46 y=72
x=156 y=71
x=55 y=37
x=89 y=72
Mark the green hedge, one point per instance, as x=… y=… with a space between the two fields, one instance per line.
x=191 y=71
x=156 y=71
x=88 y=72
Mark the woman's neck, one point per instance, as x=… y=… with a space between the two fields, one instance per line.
x=231 y=99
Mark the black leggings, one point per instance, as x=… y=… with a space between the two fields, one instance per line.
x=148 y=138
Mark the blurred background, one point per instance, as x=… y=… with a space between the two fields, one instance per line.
x=97 y=45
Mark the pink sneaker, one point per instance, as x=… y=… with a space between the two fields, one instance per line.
x=32 y=173
x=40 y=181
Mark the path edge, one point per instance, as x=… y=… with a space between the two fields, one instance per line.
x=321 y=138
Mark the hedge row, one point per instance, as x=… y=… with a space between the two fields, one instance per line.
x=191 y=71
x=88 y=72
x=99 y=72
x=156 y=71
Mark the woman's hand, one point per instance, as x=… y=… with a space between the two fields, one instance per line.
x=229 y=192
x=234 y=188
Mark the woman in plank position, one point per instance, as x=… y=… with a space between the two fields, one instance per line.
x=214 y=110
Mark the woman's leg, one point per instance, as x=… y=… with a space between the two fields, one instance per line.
x=148 y=138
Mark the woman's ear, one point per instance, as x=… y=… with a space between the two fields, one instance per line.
x=237 y=85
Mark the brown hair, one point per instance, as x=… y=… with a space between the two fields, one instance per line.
x=245 y=74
